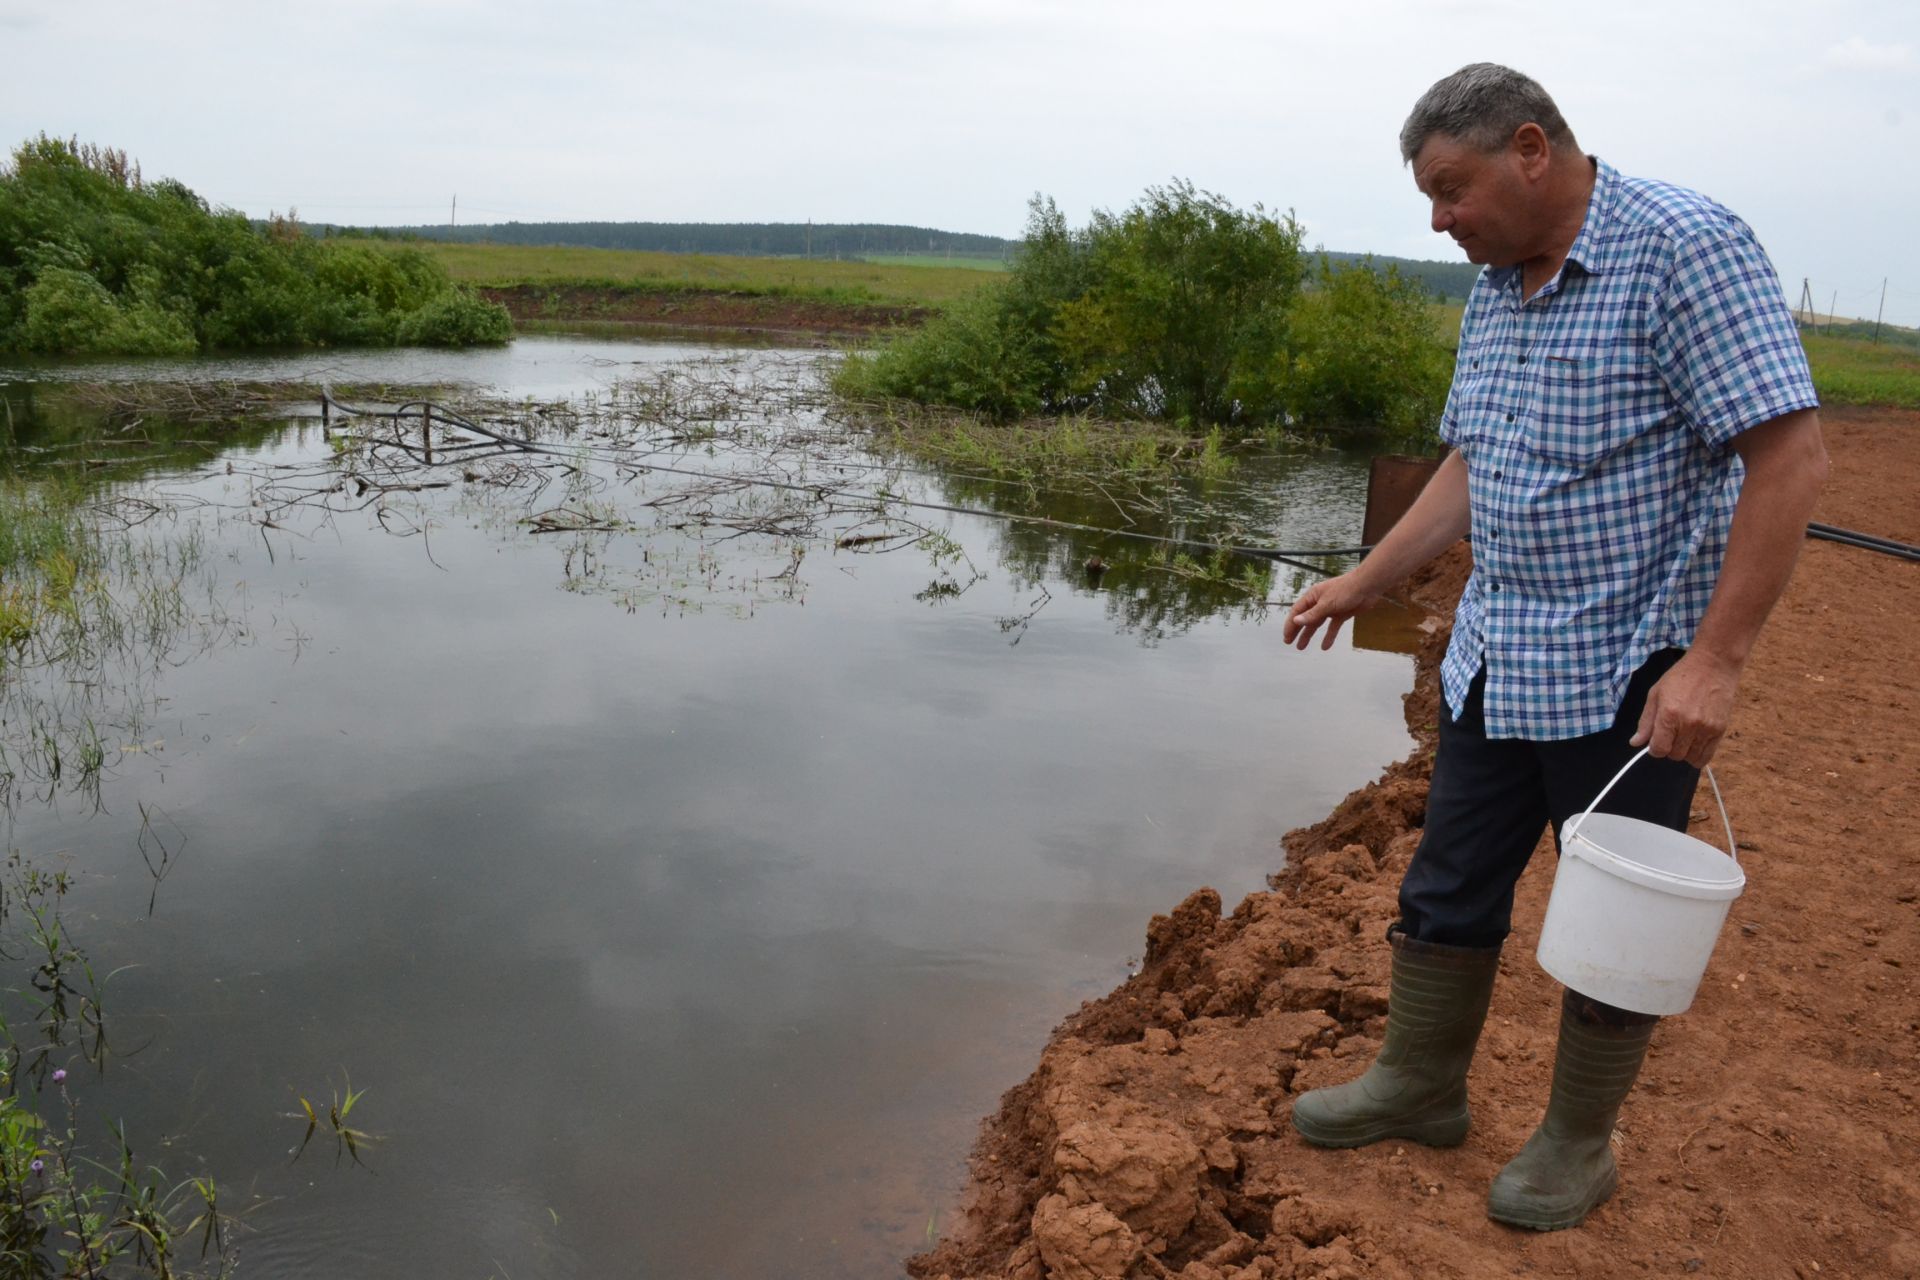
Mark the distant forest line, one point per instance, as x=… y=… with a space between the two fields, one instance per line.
x=1447 y=280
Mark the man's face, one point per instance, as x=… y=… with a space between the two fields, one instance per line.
x=1481 y=199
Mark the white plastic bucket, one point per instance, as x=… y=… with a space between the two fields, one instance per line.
x=1637 y=907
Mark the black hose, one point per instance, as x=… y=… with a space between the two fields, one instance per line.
x=1866 y=541
x=1847 y=538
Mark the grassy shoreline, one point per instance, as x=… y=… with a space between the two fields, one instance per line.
x=622 y=290
x=841 y=281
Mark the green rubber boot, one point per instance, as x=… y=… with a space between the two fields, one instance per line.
x=1567 y=1166
x=1417 y=1086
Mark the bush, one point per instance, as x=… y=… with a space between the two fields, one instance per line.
x=69 y=313
x=456 y=318
x=1366 y=357
x=67 y=310
x=1184 y=298
x=1181 y=308
x=94 y=260
x=974 y=356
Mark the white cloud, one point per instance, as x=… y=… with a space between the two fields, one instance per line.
x=951 y=113
x=1856 y=53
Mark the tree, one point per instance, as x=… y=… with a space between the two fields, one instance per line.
x=1180 y=307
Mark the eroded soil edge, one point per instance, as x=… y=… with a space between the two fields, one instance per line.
x=1774 y=1129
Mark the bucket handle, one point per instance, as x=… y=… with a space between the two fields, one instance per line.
x=1732 y=849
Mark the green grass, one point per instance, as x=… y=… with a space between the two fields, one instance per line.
x=1888 y=334
x=824 y=279
x=1857 y=371
x=1846 y=370
x=1048 y=450
x=939 y=260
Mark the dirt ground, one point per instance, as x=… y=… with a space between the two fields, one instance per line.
x=1773 y=1132
x=687 y=310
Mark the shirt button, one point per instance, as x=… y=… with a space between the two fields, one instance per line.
x=1523 y=359
x=1499 y=475
x=1496 y=588
x=1509 y=417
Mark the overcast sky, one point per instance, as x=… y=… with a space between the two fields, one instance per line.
x=1804 y=118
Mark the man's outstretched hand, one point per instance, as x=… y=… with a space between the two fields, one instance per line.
x=1332 y=601
x=1688 y=709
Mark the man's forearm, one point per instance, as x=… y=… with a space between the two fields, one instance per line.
x=1438 y=518
x=1786 y=465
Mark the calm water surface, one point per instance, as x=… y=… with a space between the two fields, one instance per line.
x=673 y=927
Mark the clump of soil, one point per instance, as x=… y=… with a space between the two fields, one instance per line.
x=1774 y=1131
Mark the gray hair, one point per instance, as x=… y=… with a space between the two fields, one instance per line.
x=1482 y=104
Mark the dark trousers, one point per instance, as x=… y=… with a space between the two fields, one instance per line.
x=1491 y=796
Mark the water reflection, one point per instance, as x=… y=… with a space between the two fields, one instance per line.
x=689 y=932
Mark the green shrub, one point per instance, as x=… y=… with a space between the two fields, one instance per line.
x=973 y=356
x=67 y=311
x=1053 y=269
x=94 y=260
x=149 y=329
x=1181 y=308
x=1184 y=297
x=1366 y=358
x=456 y=318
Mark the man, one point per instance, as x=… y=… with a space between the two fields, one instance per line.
x=1636 y=453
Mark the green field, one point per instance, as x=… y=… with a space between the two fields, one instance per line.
x=1858 y=371
x=1846 y=370
x=939 y=260
x=890 y=283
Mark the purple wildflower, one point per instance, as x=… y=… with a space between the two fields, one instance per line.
x=37 y=1165
x=59 y=1075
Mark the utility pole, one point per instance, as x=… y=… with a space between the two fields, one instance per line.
x=1806 y=301
x=1882 y=314
x=453 y=213
x=1830 y=306
x=809 y=237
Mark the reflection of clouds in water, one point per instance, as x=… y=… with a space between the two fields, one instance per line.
x=675 y=490
x=635 y=917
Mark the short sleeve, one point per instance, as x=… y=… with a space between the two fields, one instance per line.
x=1725 y=344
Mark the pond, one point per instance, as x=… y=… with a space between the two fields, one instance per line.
x=681 y=881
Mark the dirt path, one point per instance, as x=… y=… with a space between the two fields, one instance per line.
x=1774 y=1131
x=684 y=310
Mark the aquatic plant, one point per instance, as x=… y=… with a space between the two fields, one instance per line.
x=333 y=1113
x=85 y=620
x=64 y=1211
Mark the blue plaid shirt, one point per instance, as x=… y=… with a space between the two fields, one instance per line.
x=1594 y=420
